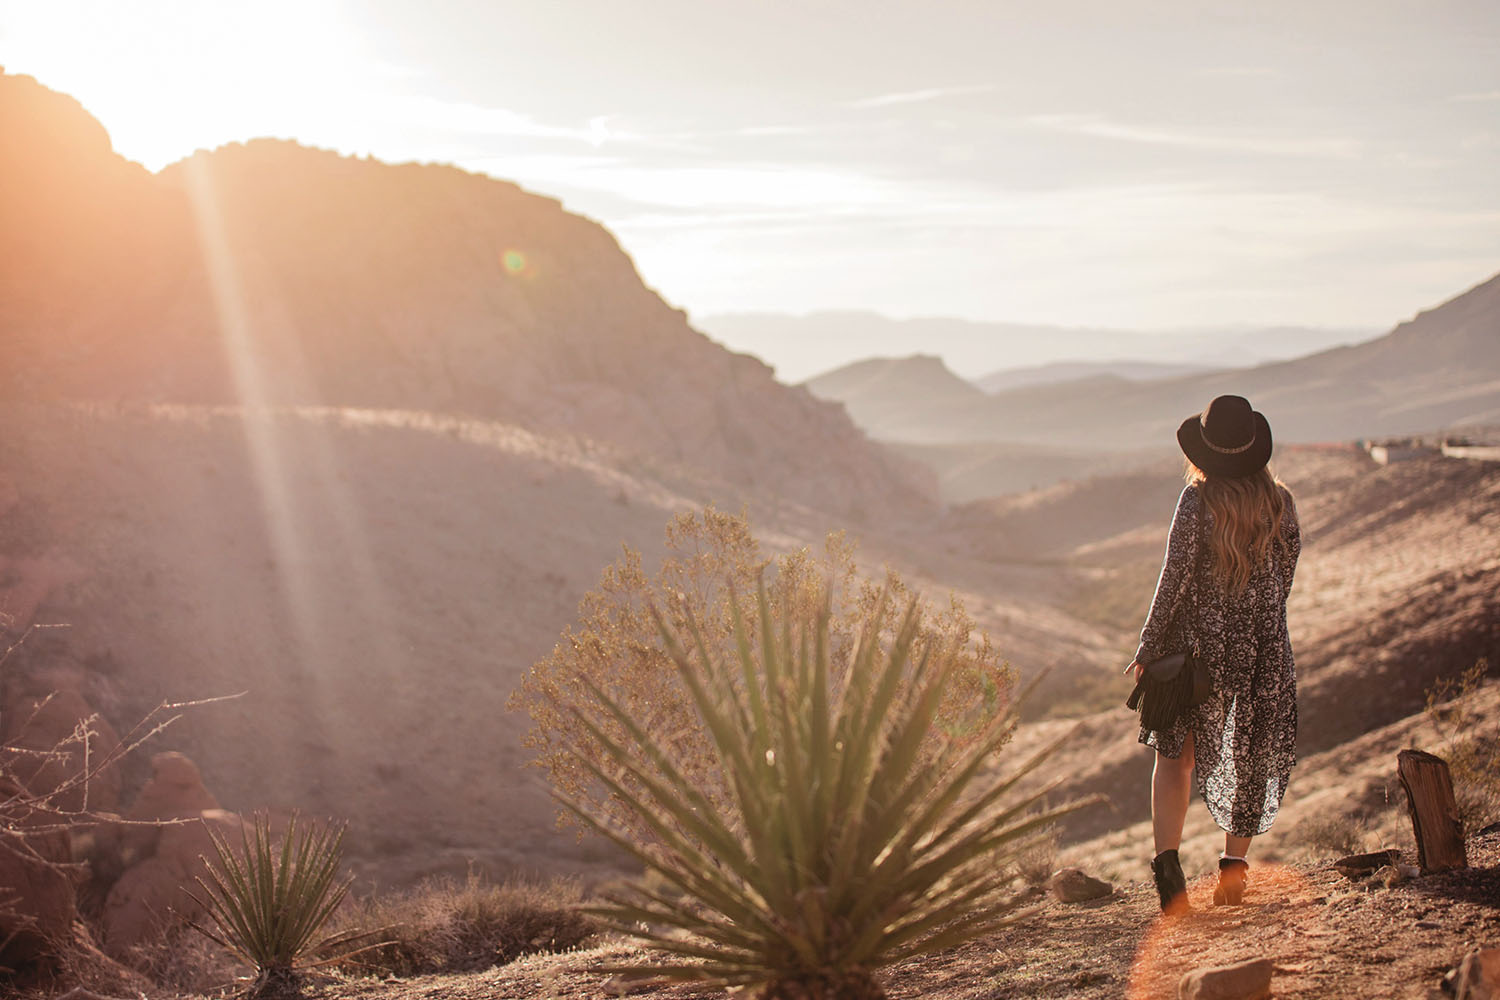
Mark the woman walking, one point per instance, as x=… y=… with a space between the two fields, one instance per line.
x=1222 y=595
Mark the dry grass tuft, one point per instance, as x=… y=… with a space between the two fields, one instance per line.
x=185 y=962
x=447 y=925
x=1331 y=835
x=1037 y=863
x=1471 y=744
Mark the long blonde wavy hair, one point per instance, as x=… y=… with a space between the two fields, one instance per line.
x=1247 y=521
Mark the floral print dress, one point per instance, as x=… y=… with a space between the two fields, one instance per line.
x=1245 y=733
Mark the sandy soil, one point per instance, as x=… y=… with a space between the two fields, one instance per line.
x=1326 y=935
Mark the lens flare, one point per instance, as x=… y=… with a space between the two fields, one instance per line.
x=514 y=262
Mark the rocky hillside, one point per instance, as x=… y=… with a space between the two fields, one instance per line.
x=271 y=274
x=1434 y=371
x=885 y=394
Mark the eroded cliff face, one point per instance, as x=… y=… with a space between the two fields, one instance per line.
x=272 y=274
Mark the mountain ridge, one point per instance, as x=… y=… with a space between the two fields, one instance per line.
x=1436 y=370
x=825 y=340
x=302 y=277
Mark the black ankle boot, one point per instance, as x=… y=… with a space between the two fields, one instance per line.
x=1171 y=884
x=1233 y=874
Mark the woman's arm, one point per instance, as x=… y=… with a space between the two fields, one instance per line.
x=1176 y=576
x=1291 y=533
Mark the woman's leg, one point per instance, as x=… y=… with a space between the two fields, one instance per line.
x=1234 y=871
x=1171 y=791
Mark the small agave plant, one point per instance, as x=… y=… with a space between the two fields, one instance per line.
x=269 y=903
x=846 y=847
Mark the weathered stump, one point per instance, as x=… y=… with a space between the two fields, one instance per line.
x=1434 y=813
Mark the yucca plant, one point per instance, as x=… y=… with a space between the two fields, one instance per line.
x=269 y=903
x=846 y=846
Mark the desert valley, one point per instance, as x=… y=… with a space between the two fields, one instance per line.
x=349 y=441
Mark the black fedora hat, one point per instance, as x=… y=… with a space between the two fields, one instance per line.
x=1227 y=439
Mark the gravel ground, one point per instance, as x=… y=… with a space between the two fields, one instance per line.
x=1327 y=936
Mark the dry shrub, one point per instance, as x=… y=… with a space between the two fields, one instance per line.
x=1037 y=863
x=615 y=646
x=1471 y=744
x=1336 y=834
x=448 y=925
x=183 y=961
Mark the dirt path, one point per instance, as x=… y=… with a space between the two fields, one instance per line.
x=1327 y=936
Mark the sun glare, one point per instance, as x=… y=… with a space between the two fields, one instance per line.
x=167 y=77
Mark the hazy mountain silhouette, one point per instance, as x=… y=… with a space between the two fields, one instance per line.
x=272 y=273
x=824 y=341
x=1436 y=370
x=1067 y=371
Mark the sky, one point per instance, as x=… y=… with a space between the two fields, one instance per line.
x=1117 y=163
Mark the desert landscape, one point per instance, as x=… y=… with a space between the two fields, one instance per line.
x=337 y=447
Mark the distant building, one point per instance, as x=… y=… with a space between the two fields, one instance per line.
x=1402 y=450
x=1479 y=451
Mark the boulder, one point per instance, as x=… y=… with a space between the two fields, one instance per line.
x=1242 y=981
x=1358 y=866
x=155 y=892
x=175 y=791
x=1071 y=885
x=1479 y=975
x=37 y=904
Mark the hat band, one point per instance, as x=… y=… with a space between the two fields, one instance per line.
x=1226 y=451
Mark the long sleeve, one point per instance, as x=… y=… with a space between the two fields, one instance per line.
x=1176 y=577
x=1291 y=531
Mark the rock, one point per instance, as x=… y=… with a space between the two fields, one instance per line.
x=625 y=985
x=175 y=791
x=42 y=906
x=155 y=892
x=182 y=845
x=1071 y=885
x=1479 y=975
x=139 y=905
x=1242 y=981
x=1358 y=866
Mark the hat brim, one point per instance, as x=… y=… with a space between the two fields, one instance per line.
x=1215 y=463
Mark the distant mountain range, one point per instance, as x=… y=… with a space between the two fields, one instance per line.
x=801 y=347
x=1437 y=370
x=1067 y=371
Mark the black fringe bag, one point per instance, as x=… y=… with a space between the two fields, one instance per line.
x=1168 y=688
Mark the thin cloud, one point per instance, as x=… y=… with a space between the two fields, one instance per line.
x=479 y=119
x=1479 y=97
x=1093 y=125
x=918 y=96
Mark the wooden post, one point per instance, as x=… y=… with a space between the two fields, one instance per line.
x=1434 y=813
